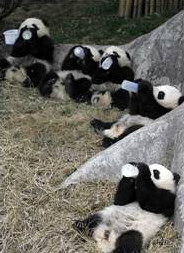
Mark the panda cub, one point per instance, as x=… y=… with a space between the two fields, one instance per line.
x=149 y=103
x=143 y=203
x=33 y=43
x=82 y=58
x=66 y=85
x=34 y=39
x=114 y=66
x=30 y=76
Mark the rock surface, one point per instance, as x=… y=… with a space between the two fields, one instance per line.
x=158 y=57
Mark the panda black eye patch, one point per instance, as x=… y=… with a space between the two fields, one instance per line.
x=161 y=95
x=156 y=174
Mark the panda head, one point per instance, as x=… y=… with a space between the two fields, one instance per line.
x=168 y=96
x=17 y=74
x=34 y=27
x=156 y=188
x=101 y=99
x=154 y=101
x=84 y=58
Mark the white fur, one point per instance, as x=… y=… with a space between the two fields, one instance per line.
x=95 y=53
x=43 y=30
x=14 y=74
x=125 y=122
x=123 y=60
x=172 y=95
x=58 y=91
x=77 y=74
x=166 y=178
x=101 y=100
x=119 y=219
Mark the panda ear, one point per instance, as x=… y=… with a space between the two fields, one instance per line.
x=176 y=177
x=101 y=51
x=181 y=100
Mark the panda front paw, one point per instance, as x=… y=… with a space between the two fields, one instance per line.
x=79 y=225
x=107 y=142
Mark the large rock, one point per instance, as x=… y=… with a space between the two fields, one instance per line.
x=158 y=57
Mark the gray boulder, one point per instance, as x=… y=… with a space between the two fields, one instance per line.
x=158 y=57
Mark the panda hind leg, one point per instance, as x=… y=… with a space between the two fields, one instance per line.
x=129 y=242
x=107 y=142
x=88 y=225
x=99 y=125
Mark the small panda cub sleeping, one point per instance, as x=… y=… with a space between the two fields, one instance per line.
x=143 y=203
x=114 y=66
x=83 y=58
x=30 y=76
x=149 y=103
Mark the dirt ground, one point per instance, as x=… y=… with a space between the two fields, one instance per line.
x=42 y=142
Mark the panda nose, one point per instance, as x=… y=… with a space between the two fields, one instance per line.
x=27 y=82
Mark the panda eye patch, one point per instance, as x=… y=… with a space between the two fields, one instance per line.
x=14 y=70
x=161 y=95
x=156 y=174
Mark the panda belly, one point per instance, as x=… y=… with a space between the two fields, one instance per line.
x=117 y=220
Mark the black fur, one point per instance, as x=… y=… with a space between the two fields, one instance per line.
x=144 y=103
x=88 y=225
x=120 y=99
x=150 y=197
x=99 y=125
x=107 y=142
x=181 y=100
x=87 y=65
x=125 y=193
x=129 y=242
x=115 y=73
x=4 y=65
x=36 y=73
x=41 y=48
x=72 y=62
x=78 y=89
x=46 y=85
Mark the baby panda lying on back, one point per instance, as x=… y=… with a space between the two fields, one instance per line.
x=149 y=103
x=143 y=203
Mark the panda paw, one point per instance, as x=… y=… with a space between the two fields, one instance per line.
x=98 y=125
x=79 y=225
x=107 y=142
